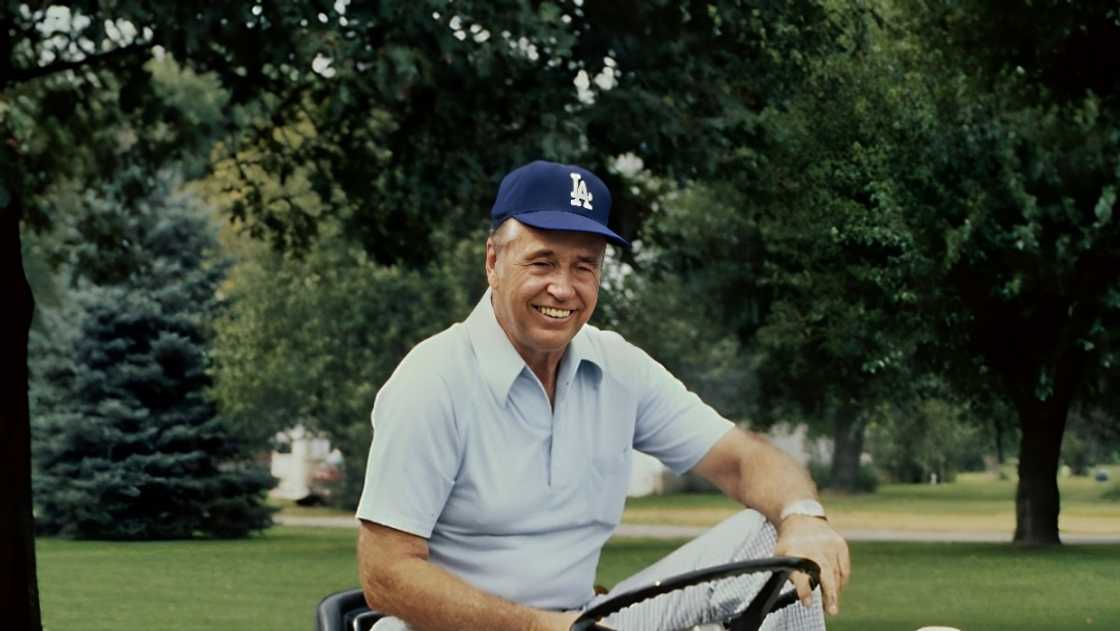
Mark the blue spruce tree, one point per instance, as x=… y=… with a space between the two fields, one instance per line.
x=127 y=444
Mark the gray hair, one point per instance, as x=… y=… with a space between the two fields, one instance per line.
x=504 y=233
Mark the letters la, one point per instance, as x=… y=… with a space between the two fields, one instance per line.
x=580 y=195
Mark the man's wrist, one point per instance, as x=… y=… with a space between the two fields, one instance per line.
x=805 y=508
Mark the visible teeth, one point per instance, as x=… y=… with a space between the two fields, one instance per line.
x=555 y=313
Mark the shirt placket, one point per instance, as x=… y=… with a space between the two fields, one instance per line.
x=556 y=473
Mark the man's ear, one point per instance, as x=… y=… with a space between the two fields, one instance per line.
x=491 y=264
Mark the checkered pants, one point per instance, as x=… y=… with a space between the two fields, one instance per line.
x=746 y=535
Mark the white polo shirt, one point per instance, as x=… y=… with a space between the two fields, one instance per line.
x=513 y=495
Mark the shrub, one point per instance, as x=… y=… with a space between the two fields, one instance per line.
x=132 y=447
x=929 y=438
x=867 y=480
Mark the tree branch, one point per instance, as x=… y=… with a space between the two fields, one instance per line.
x=28 y=74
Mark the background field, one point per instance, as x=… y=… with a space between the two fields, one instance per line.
x=976 y=502
x=273 y=582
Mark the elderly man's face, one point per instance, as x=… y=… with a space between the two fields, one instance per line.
x=545 y=285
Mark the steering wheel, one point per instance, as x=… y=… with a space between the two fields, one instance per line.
x=768 y=599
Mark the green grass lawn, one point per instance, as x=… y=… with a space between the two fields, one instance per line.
x=273 y=582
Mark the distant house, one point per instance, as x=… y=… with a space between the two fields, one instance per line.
x=301 y=461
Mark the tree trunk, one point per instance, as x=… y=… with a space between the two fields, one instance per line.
x=847 y=447
x=1037 y=502
x=19 y=592
x=997 y=426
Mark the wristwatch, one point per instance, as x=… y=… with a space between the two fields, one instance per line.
x=808 y=508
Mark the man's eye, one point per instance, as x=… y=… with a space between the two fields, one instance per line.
x=541 y=264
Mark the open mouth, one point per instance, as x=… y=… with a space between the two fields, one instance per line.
x=554 y=313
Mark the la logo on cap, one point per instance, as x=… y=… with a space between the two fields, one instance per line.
x=580 y=195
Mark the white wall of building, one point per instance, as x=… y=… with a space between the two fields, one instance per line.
x=296 y=468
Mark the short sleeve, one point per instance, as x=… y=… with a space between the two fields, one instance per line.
x=416 y=450
x=673 y=424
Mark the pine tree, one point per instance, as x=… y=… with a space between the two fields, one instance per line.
x=131 y=447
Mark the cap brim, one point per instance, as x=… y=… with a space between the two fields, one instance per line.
x=569 y=221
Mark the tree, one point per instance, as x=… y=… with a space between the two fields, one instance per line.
x=76 y=110
x=796 y=257
x=959 y=223
x=945 y=206
x=841 y=328
x=136 y=450
x=1015 y=205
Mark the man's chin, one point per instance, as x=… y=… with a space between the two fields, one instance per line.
x=553 y=341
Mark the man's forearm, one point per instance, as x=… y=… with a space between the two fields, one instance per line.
x=751 y=470
x=786 y=480
x=748 y=468
x=429 y=598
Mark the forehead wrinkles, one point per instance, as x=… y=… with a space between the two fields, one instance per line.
x=521 y=241
x=566 y=245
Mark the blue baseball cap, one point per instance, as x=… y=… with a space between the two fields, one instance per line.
x=553 y=196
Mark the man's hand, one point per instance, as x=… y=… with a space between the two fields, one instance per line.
x=813 y=538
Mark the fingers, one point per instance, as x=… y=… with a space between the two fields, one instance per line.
x=804 y=588
x=842 y=571
x=835 y=569
x=816 y=540
x=830 y=589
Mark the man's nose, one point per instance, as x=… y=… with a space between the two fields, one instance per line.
x=561 y=286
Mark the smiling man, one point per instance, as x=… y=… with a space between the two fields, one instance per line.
x=501 y=450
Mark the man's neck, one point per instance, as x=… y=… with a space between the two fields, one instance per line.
x=545 y=367
x=544 y=364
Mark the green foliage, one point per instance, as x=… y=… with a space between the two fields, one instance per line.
x=663 y=317
x=126 y=443
x=931 y=437
x=913 y=214
x=398 y=118
x=805 y=256
x=866 y=479
x=310 y=340
x=1069 y=48
x=1092 y=438
x=412 y=110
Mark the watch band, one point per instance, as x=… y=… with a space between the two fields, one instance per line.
x=808 y=508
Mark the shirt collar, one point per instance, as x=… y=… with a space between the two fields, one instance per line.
x=581 y=350
x=499 y=361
